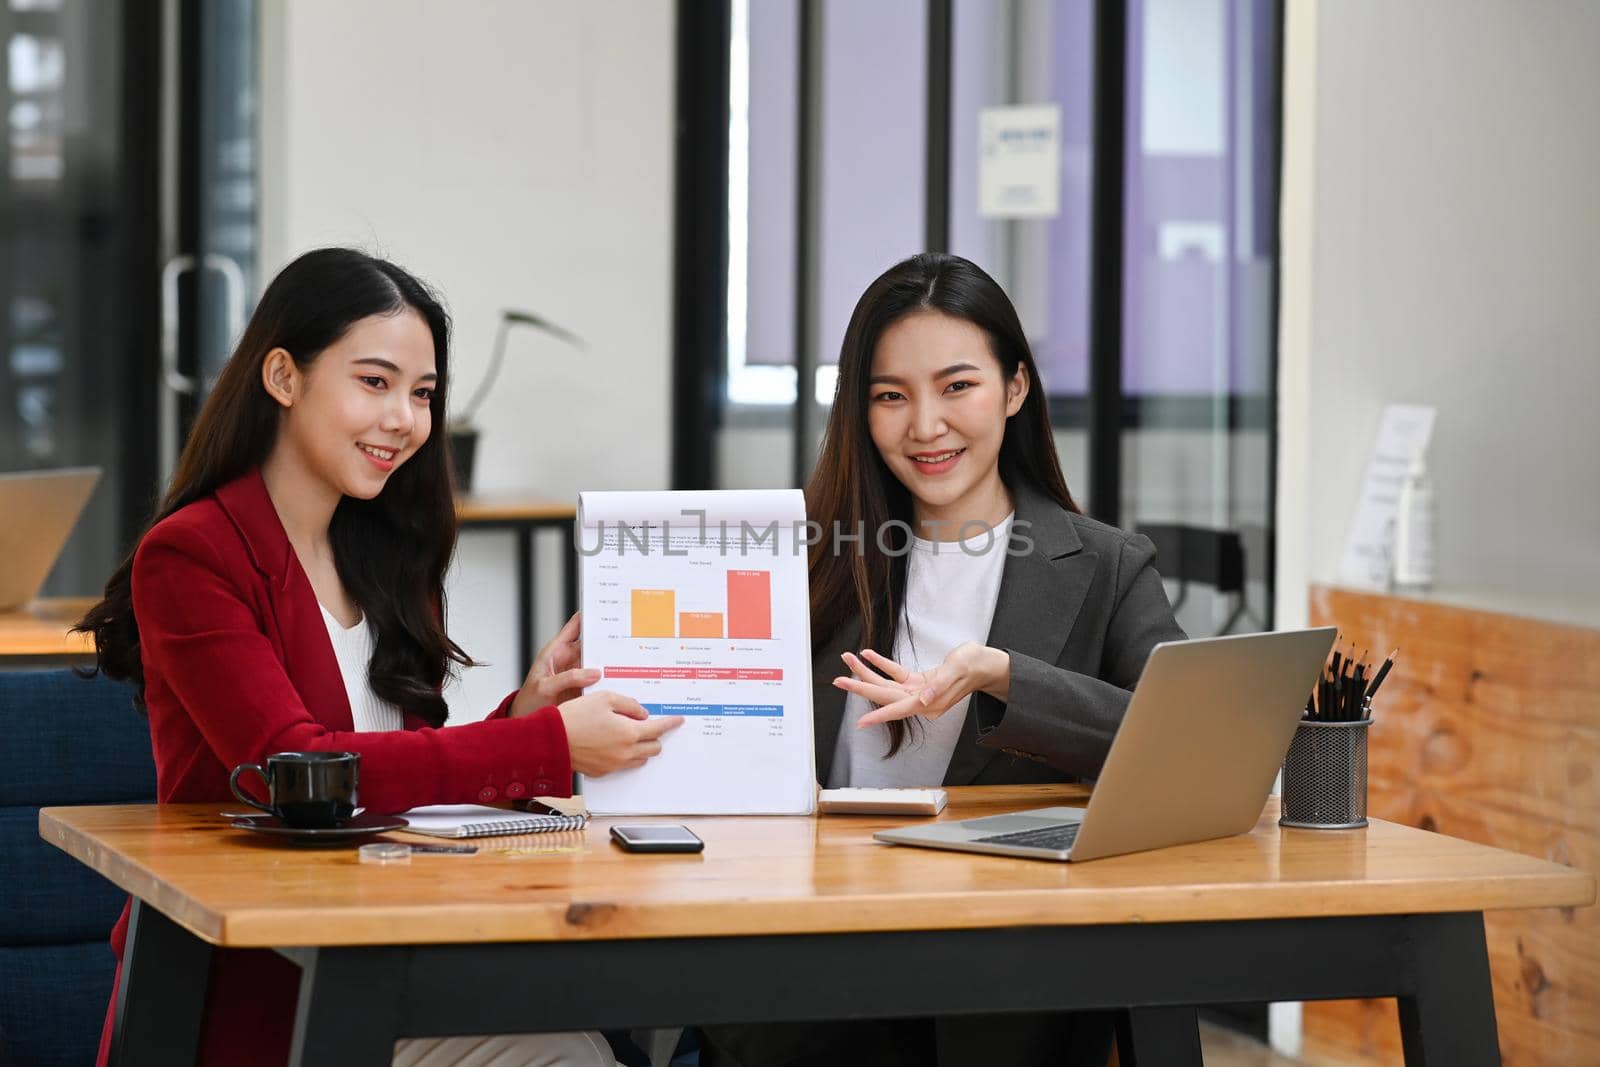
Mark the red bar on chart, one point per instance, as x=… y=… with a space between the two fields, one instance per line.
x=750 y=605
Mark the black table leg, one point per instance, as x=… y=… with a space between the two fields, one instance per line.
x=1093 y=1035
x=350 y=1007
x=162 y=995
x=1159 y=1037
x=569 y=567
x=525 y=590
x=1450 y=1017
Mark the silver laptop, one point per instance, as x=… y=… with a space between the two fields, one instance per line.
x=38 y=510
x=1195 y=757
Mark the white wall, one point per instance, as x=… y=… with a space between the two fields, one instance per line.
x=515 y=153
x=1441 y=244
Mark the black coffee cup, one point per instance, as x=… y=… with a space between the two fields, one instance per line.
x=307 y=790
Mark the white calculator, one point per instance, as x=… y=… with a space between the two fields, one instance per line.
x=856 y=801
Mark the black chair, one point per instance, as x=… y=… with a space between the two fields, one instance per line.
x=68 y=740
x=1197 y=555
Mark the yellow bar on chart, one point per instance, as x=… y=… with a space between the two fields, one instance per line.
x=653 y=612
x=700 y=624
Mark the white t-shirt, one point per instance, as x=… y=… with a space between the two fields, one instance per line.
x=951 y=589
x=353 y=649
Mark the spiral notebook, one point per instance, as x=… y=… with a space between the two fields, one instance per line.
x=475 y=820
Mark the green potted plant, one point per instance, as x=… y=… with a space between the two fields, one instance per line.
x=462 y=430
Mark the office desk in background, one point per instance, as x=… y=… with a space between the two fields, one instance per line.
x=796 y=919
x=524 y=515
x=37 y=635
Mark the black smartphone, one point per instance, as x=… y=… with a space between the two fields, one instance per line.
x=657 y=838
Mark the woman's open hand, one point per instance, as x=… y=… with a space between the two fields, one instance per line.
x=610 y=732
x=900 y=693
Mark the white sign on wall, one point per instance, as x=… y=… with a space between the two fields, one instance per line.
x=1403 y=435
x=1019 y=162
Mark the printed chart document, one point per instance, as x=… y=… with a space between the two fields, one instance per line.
x=695 y=604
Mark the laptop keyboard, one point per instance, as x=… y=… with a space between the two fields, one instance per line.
x=1053 y=837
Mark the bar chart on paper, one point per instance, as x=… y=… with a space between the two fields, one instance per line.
x=748 y=611
x=708 y=623
x=653 y=615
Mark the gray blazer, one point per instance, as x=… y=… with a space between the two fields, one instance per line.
x=1079 y=616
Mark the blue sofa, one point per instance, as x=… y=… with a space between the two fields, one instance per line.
x=67 y=740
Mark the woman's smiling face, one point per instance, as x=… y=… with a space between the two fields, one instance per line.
x=937 y=405
x=364 y=406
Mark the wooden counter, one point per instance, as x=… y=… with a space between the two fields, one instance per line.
x=37 y=635
x=1487 y=729
x=482 y=509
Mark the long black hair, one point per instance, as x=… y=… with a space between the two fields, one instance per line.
x=852 y=485
x=391 y=551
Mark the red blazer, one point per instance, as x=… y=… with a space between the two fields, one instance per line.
x=237 y=664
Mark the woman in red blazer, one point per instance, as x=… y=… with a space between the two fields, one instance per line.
x=312 y=483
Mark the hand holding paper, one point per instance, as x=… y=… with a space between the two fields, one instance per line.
x=557 y=675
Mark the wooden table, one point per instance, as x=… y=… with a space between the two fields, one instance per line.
x=37 y=635
x=590 y=937
x=523 y=515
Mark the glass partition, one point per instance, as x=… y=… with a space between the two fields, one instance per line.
x=1193 y=371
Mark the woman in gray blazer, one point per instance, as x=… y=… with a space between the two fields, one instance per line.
x=971 y=625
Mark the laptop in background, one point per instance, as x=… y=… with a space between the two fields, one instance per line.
x=1194 y=758
x=38 y=510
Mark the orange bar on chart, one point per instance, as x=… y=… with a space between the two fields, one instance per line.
x=750 y=605
x=653 y=612
x=699 y=624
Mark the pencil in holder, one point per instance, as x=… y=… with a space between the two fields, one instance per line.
x=1325 y=776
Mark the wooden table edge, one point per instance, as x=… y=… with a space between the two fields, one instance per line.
x=68 y=652
x=510 y=508
x=41 y=629
x=600 y=920
x=130 y=877
x=597 y=918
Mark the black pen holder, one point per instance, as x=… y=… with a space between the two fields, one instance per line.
x=1325 y=776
